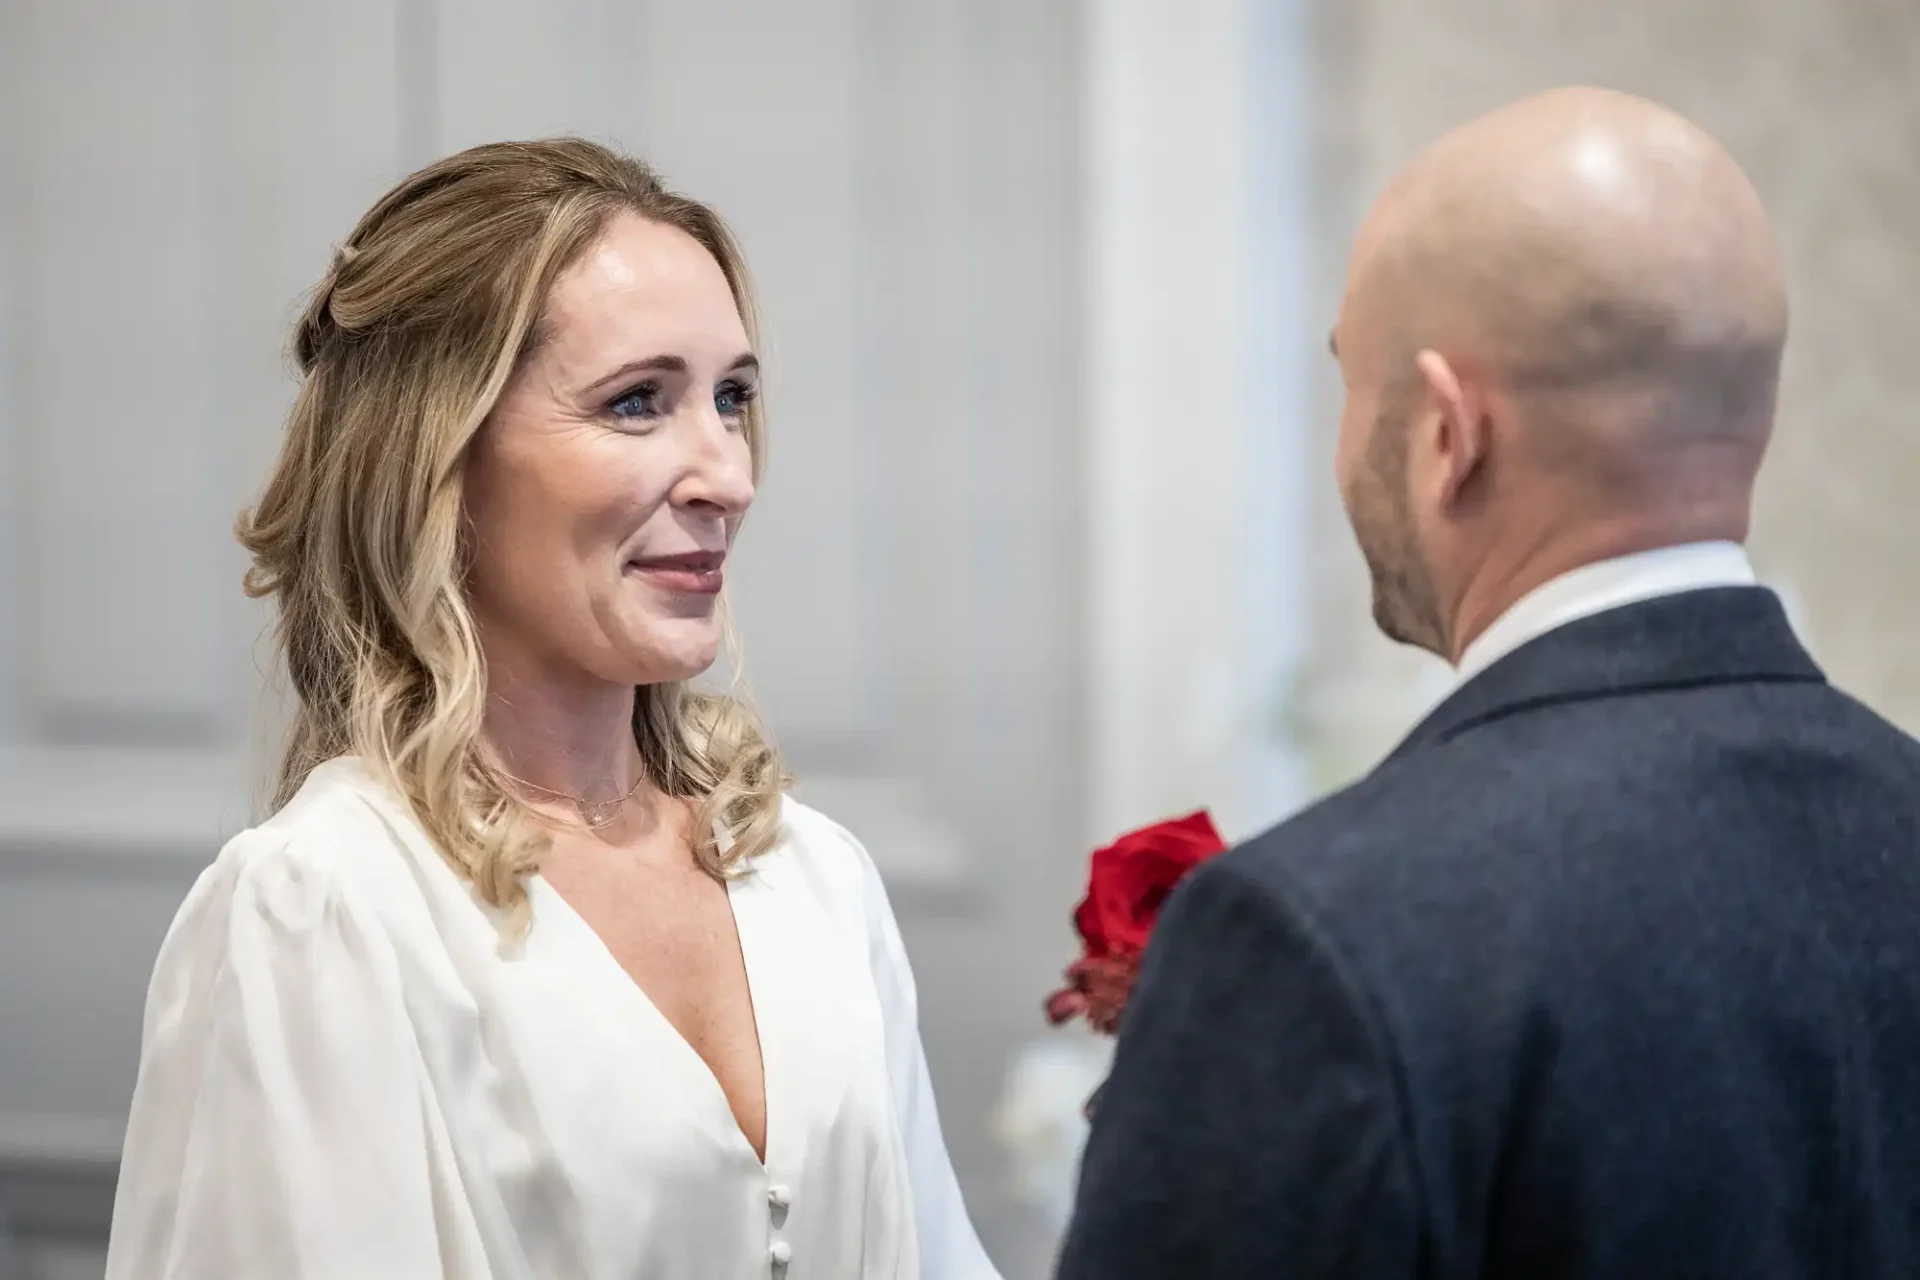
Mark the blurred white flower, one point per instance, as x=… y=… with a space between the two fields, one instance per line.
x=1040 y=1121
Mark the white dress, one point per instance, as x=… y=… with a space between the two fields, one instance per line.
x=346 y=1074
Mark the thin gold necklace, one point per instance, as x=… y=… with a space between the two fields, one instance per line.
x=597 y=814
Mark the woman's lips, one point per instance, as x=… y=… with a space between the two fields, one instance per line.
x=692 y=572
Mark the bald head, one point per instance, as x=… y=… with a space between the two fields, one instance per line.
x=1561 y=342
x=1584 y=241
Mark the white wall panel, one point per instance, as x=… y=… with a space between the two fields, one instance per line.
x=13 y=258
x=1196 y=545
x=118 y=374
x=311 y=121
x=506 y=69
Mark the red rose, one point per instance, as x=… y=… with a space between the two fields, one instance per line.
x=1132 y=877
x=1129 y=883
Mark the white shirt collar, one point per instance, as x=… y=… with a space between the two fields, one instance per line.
x=1606 y=584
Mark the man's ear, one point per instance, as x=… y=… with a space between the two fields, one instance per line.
x=1457 y=431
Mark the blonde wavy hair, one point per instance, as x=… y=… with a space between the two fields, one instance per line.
x=404 y=348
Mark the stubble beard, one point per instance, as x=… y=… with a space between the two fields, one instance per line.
x=1406 y=606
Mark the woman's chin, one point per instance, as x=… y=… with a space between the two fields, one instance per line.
x=664 y=661
x=680 y=674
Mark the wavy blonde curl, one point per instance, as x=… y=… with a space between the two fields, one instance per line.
x=403 y=349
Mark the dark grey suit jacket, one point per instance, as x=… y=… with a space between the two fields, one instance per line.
x=1610 y=971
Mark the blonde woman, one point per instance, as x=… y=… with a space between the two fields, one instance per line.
x=534 y=972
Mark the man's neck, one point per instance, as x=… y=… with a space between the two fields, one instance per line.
x=1603 y=585
x=1503 y=583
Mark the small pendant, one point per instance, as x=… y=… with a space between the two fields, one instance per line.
x=598 y=814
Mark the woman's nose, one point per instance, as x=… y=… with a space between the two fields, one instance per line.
x=719 y=473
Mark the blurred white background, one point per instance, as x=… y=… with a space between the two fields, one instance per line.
x=1048 y=546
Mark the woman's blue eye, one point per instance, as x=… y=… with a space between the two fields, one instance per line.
x=641 y=402
x=731 y=399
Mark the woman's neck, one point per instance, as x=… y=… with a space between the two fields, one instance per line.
x=571 y=738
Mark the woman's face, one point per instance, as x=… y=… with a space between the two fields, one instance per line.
x=605 y=489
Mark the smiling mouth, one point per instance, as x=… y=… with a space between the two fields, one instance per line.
x=691 y=572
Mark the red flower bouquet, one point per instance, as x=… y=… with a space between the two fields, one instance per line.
x=1129 y=882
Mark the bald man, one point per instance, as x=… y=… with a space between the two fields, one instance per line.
x=1612 y=969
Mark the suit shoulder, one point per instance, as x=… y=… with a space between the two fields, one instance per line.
x=1351 y=829
x=1880 y=737
x=1250 y=894
x=1400 y=867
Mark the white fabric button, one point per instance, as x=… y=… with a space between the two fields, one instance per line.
x=781 y=1253
x=778 y=1196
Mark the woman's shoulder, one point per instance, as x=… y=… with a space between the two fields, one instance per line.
x=813 y=830
x=824 y=853
x=333 y=832
x=841 y=873
x=811 y=836
x=288 y=915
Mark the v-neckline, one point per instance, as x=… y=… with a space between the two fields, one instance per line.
x=617 y=972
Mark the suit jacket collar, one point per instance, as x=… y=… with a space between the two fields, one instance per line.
x=1717 y=636
x=1603 y=585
